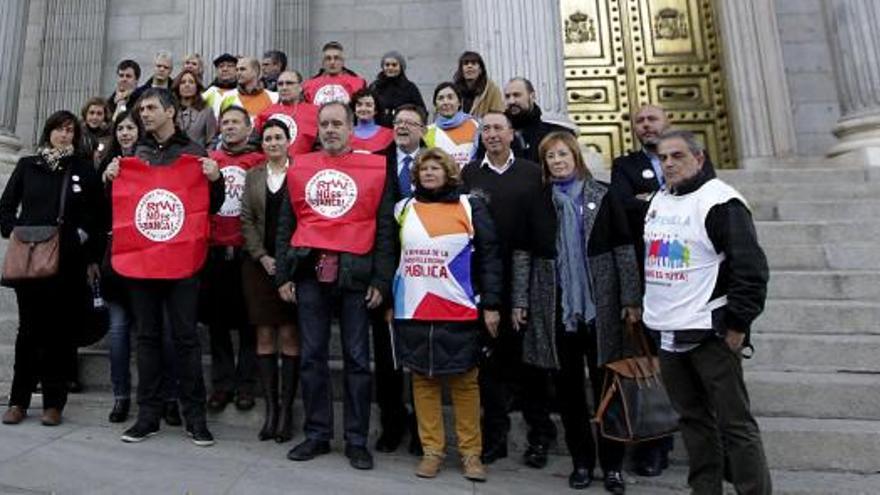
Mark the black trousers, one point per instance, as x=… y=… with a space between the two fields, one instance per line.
x=572 y=348
x=505 y=381
x=222 y=308
x=707 y=390
x=388 y=381
x=42 y=345
x=180 y=299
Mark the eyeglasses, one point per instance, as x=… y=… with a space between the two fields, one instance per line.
x=406 y=123
x=287 y=83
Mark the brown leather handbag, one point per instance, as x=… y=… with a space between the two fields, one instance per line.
x=34 y=250
x=635 y=406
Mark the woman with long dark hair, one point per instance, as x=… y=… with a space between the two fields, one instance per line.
x=195 y=118
x=479 y=94
x=48 y=308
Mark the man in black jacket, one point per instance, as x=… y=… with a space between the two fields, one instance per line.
x=705 y=282
x=409 y=127
x=524 y=217
x=162 y=145
x=329 y=280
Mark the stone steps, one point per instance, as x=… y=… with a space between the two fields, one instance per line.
x=848 y=256
x=825 y=284
x=816 y=316
x=815 y=395
x=821 y=353
x=808 y=191
x=819 y=175
x=780 y=234
x=810 y=210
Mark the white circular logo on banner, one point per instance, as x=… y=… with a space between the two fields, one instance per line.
x=331 y=92
x=159 y=215
x=233 y=178
x=331 y=193
x=288 y=121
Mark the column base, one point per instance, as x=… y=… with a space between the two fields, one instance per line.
x=862 y=157
x=859 y=142
x=10 y=146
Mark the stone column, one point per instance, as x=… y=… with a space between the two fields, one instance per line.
x=855 y=46
x=71 y=58
x=757 y=92
x=292 y=32
x=13 y=22
x=218 y=26
x=521 y=38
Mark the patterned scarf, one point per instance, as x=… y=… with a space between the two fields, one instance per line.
x=53 y=156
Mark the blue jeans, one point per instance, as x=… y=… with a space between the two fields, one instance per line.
x=318 y=302
x=121 y=321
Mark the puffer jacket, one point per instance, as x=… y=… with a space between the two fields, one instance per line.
x=451 y=347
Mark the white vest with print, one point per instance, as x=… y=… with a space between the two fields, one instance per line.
x=681 y=265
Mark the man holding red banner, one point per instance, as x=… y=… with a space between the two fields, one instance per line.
x=336 y=255
x=159 y=245
x=222 y=301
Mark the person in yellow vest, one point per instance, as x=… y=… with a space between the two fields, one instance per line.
x=449 y=276
x=453 y=130
x=249 y=94
x=226 y=80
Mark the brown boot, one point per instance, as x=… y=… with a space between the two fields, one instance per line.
x=473 y=468
x=430 y=465
x=14 y=415
x=51 y=417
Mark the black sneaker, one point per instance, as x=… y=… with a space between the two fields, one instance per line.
x=614 y=482
x=200 y=434
x=139 y=432
x=308 y=449
x=359 y=457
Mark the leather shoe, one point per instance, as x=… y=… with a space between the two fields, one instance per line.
x=120 y=411
x=308 y=449
x=494 y=452
x=652 y=464
x=614 y=482
x=388 y=441
x=14 y=415
x=535 y=456
x=218 y=401
x=580 y=478
x=245 y=401
x=51 y=417
x=172 y=413
x=359 y=457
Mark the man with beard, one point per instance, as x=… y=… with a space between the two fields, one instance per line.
x=525 y=115
x=226 y=79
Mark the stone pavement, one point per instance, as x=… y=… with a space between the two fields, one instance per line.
x=85 y=456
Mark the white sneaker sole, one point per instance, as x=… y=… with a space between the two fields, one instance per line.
x=200 y=443
x=130 y=439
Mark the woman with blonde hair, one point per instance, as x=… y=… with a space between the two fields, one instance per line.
x=448 y=284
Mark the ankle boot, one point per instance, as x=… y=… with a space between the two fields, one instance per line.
x=289 y=382
x=268 y=366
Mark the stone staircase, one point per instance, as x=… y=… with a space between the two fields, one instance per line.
x=815 y=377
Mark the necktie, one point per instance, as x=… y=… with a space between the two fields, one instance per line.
x=404 y=182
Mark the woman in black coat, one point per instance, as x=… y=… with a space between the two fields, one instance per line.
x=393 y=88
x=50 y=309
x=449 y=277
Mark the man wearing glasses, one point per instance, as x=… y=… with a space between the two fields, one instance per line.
x=300 y=116
x=334 y=82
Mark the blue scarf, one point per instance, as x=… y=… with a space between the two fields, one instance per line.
x=365 y=129
x=456 y=120
x=572 y=265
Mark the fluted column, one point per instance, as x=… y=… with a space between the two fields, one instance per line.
x=218 y=26
x=852 y=31
x=758 y=94
x=71 y=57
x=521 y=38
x=13 y=23
x=292 y=32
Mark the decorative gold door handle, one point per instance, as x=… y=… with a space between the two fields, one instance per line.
x=590 y=97
x=679 y=94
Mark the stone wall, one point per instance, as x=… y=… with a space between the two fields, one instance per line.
x=809 y=72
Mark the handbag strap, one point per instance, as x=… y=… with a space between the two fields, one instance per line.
x=637 y=333
x=64 y=184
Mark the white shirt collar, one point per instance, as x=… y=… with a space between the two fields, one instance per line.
x=498 y=170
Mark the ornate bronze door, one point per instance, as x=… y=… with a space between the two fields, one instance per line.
x=622 y=54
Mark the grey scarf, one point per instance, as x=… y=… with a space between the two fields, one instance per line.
x=571 y=257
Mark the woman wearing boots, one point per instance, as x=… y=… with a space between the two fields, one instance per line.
x=273 y=318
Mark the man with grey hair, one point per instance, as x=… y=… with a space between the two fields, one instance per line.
x=273 y=64
x=705 y=283
x=163 y=64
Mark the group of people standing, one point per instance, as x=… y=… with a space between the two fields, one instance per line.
x=477 y=251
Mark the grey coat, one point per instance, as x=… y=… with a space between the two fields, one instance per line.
x=613 y=274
